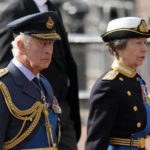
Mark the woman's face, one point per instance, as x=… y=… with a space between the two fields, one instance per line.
x=134 y=53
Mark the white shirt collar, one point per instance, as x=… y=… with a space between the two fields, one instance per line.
x=28 y=74
x=40 y=2
x=41 y=5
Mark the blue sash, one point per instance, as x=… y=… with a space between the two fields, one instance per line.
x=139 y=134
x=40 y=139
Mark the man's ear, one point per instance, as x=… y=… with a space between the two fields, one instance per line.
x=20 y=45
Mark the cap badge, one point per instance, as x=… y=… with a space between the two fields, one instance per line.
x=143 y=27
x=50 y=23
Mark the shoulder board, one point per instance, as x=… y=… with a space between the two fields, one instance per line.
x=3 y=72
x=110 y=75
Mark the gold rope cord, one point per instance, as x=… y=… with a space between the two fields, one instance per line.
x=48 y=128
x=35 y=112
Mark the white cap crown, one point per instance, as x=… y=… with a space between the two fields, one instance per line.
x=126 y=22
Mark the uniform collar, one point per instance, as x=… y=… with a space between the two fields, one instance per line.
x=123 y=69
x=27 y=73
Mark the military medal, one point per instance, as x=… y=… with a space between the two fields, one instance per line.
x=47 y=105
x=146 y=98
x=55 y=106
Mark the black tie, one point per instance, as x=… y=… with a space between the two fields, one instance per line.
x=37 y=82
x=39 y=85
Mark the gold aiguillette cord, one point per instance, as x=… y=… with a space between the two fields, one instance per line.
x=48 y=127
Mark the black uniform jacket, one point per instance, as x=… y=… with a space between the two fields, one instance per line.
x=116 y=107
x=62 y=73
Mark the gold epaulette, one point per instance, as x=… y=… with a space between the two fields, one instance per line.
x=110 y=75
x=3 y=72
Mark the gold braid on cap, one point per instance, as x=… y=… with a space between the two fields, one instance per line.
x=32 y=114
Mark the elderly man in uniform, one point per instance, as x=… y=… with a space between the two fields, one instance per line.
x=28 y=109
x=62 y=73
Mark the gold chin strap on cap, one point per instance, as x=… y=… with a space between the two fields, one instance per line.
x=32 y=114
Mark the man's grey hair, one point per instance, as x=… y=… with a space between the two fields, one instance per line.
x=25 y=39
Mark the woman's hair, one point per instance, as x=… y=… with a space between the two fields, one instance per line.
x=115 y=45
x=25 y=39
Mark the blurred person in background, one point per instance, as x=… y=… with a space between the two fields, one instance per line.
x=119 y=117
x=62 y=73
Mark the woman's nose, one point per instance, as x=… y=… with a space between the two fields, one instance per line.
x=145 y=48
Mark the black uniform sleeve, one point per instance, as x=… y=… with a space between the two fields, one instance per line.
x=103 y=110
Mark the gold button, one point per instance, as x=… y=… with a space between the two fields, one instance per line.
x=137 y=79
x=139 y=124
x=135 y=108
x=121 y=79
x=128 y=93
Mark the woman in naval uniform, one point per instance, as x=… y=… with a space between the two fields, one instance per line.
x=119 y=117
